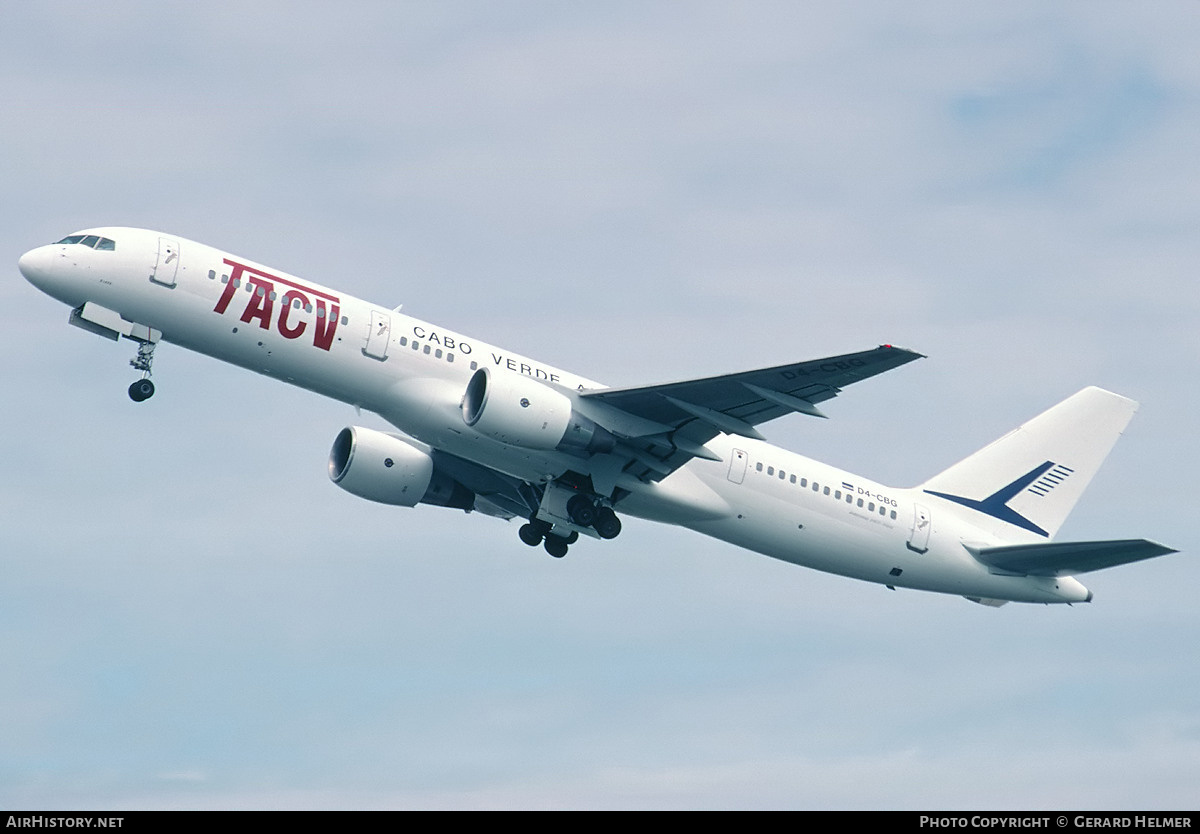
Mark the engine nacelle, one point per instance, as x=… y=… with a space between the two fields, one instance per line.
x=521 y=411
x=382 y=467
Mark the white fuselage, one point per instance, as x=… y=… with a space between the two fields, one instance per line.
x=413 y=373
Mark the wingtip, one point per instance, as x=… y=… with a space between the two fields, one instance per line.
x=911 y=353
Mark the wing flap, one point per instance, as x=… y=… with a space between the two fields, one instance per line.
x=1067 y=558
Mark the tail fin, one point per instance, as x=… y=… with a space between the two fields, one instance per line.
x=1029 y=480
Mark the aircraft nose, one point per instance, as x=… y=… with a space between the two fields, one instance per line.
x=34 y=265
x=47 y=270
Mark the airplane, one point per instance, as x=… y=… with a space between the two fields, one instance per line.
x=480 y=428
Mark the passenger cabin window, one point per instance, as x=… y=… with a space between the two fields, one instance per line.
x=837 y=494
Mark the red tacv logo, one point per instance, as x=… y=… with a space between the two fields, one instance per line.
x=295 y=307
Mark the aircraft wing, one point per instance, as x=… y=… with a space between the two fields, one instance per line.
x=676 y=419
x=496 y=494
x=1068 y=558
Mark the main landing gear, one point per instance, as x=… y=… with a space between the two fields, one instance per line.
x=601 y=519
x=538 y=532
x=582 y=512
x=143 y=389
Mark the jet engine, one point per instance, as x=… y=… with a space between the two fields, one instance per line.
x=521 y=411
x=382 y=467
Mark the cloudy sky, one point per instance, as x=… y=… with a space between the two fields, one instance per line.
x=191 y=615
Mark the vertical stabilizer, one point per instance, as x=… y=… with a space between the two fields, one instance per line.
x=1023 y=485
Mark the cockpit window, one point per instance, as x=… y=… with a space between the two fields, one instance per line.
x=91 y=241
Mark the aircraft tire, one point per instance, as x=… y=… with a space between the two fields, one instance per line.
x=530 y=534
x=581 y=510
x=556 y=546
x=141 y=390
x=607 y=525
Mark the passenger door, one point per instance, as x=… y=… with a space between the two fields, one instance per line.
x=166 y=265
x=379 y=336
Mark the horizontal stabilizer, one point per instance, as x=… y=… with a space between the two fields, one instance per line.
x=1067 y=558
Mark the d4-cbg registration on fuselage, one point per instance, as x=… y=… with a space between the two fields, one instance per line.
x=484 y=429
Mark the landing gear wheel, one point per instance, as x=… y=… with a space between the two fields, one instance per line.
x=556 y=546
x=607 y=525
x=141 y=390
x=530 y=534
x=581 y=510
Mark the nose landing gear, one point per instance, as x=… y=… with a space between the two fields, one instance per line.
x=142 y=389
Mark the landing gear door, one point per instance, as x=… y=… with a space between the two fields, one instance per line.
x=918 y=540
x=737 y=466
x=166 y=265
x=379 y=336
